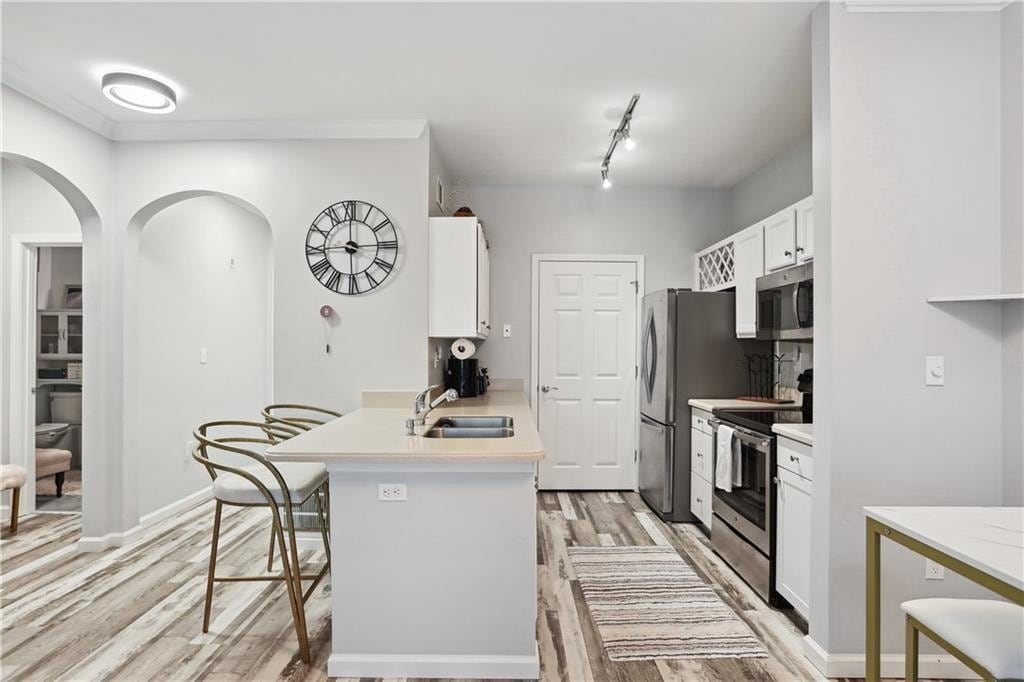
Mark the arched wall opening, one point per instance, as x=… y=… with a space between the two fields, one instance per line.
x=198 y=335
x=42 y=207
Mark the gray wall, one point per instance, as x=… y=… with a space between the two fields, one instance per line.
x=779 y=183
x=1013 y=252
x=666 y=225
x=912 y=177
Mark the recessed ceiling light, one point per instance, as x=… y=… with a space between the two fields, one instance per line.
x=141 y=93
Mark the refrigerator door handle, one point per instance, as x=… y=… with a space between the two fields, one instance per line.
x=649 y=357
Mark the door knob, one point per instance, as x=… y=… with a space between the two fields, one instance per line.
x=548 y=388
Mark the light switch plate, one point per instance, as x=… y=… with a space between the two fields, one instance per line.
x=935 y=370
x=202 y=356
x=506 y=331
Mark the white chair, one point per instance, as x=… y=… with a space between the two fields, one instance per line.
x=984 y=634
x=263 y=484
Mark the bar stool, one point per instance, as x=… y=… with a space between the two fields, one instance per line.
x=263 y=484
x=986 y=635
x=302 y=417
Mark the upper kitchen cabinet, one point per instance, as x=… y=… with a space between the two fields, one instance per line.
x=459 y=278
x=749 y=254
x=780 y=240
x=805 y=229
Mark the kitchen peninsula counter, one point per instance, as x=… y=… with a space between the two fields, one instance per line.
x=443 y=583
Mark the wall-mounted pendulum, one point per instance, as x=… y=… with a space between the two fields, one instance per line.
x=326 y=313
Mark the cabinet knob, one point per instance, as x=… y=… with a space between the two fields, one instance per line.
x=799 y=249
x=787 y=253
x=794 y=458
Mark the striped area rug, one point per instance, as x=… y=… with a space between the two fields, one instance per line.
x=648 y=604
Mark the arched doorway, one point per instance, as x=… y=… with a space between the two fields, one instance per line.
x=198 y=335
x=35 y=193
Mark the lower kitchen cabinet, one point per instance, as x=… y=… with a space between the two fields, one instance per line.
x=793 y=525
x=701 y=466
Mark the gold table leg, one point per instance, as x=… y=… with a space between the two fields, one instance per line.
x=873 y=623
x=911 y=651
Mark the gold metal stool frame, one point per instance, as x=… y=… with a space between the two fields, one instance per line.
x=269 y=434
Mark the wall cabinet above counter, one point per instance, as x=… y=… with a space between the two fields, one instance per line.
x=458 y=279
x=777 y=242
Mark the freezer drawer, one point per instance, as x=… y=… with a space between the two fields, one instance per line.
x=656 y=460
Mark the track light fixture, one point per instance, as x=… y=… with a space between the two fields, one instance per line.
x=620 y=134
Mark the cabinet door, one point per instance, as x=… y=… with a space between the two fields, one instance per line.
x=700 y=498
x=805 y=230
x=51 y=339
x=73 y=334
x=793 y=541
x=780 y=240
x=749 y=254
x=483 y=303
x=700 y=453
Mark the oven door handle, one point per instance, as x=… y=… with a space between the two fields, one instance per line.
x=748 y=437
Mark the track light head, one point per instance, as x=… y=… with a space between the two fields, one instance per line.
x=628 y=141
x=605 y=180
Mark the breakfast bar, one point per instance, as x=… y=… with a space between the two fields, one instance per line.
x=433 y=540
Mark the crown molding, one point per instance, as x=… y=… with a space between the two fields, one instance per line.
x=893 y=6
x=16 y=78
x=166 y=129
x=370 y=129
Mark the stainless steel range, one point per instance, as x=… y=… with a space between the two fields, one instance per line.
x=743 y=529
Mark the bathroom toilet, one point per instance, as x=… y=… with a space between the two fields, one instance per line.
x=48 y=435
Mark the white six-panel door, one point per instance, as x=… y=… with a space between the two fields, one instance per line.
x=586 y=346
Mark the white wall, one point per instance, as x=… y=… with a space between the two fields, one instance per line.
x=666 y=225
x=58 y=267
x=779 y=183
x=911 y=124
x=1012 y=143
x=193 y=298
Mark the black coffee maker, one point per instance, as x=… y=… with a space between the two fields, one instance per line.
x=805 y=384
x=464 y=375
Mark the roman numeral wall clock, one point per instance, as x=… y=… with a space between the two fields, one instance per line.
x=352 y=247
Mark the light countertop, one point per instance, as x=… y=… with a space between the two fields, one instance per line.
x=803 y=433
x=990 y=539
x=711 y=404
x=378 y=433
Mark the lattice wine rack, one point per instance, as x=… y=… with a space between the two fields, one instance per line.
x=717 y=267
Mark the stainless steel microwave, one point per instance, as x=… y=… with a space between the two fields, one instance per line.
x=785 y=305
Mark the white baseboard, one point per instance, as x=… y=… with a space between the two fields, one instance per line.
x=99 y=543
x=832 y=666
x=422 y=665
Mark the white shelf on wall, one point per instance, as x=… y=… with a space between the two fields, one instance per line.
x=991 y=298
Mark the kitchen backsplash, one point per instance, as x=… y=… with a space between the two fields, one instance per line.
x=798 y=357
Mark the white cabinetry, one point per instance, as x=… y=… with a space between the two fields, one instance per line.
x=749 y=250
x=458 y=279
x=793 y=527
x=701 y=466
x=805 y=230
x=780 y=240
x=60 y=334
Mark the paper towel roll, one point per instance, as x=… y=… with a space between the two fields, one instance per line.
x=463 y=348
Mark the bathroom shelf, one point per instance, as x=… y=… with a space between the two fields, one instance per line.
x=58 y=382
x=990 y=298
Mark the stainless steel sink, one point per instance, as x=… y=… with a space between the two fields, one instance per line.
x=475 y=422
x=439 y=431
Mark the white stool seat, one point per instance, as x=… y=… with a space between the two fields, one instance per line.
x=988 y=631
x=12 y=476
x=302 y=480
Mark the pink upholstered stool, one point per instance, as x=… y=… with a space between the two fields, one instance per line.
x=53 y=462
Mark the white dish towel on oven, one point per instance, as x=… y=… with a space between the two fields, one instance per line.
x=727 y=456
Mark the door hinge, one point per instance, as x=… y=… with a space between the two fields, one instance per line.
x=636 y=371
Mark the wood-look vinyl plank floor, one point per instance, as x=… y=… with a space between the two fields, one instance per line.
x=135 y=613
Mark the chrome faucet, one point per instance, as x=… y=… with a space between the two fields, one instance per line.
x=422 y=408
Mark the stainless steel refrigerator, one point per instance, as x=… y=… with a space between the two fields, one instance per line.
x=688 y=349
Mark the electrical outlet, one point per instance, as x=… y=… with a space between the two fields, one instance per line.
x=933 y=571
x=392 y=492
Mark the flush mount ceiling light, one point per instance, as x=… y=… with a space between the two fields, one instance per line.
x=620 y=134
x=140 y=93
